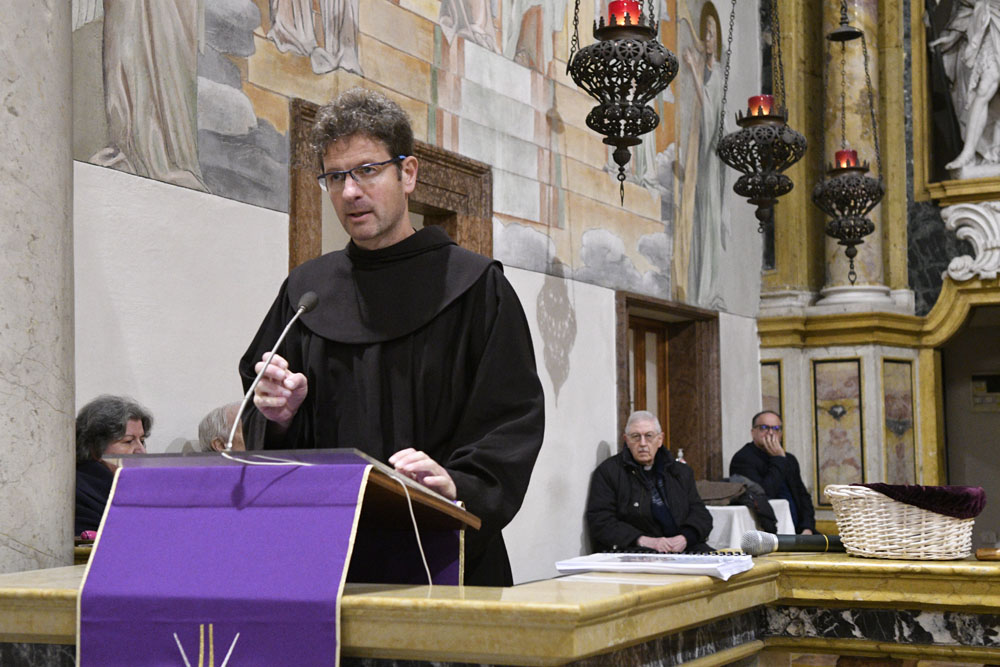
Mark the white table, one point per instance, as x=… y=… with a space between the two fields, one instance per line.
x=729 y=522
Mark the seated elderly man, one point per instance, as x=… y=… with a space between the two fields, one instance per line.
x=643 y=498
x=213 y=431
x=107 y=426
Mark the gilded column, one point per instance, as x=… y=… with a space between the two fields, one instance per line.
x=851 y=118
x=36 y=286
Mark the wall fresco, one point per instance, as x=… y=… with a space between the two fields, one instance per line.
x=196 y=93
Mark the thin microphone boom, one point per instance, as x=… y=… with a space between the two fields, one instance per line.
x=306 y=303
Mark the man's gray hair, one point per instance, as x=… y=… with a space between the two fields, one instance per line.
x=641 y=416
x=216 y=424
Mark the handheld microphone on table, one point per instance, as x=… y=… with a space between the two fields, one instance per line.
x=306 y=303
x=758 y=543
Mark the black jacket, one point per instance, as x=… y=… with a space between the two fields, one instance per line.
x=619 y=508
x=93 y=487
x=770 y=471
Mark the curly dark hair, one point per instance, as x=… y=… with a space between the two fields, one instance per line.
x=362 y=112
x=102 y=421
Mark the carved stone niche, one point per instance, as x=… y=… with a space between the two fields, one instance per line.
x=452 y=191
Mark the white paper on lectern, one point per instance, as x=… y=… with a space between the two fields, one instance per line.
x=714 y=565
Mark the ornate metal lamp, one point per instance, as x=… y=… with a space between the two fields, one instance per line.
x=625 y=69
x=848 y=194
x=764 y=146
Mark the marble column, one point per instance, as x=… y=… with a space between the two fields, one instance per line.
x=868 y=291
x=36 y=286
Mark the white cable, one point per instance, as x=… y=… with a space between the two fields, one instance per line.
x=271 y=460
x=416 y=532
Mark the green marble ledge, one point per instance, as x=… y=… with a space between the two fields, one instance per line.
x=560 y=620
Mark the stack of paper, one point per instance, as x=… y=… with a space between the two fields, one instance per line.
x=713 y=565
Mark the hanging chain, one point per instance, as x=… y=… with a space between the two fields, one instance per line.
x=651 y=13
x=725 y=79
x=574 y=43
x=776 y=54
x=871 y=105
x=843 y=95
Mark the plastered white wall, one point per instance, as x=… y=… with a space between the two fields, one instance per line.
x=580 y=427
x=171 y=285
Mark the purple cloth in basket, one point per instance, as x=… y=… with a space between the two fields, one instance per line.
x=961 y=502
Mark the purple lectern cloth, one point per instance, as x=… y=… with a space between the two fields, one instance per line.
x=209 y=552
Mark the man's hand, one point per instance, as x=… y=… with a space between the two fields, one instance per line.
x=423 y=469
x=665 y=545
x=279 y=393
x=807 y=531
x=772 y=444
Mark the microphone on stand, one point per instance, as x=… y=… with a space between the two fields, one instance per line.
x=307 y=302
x=758 y=543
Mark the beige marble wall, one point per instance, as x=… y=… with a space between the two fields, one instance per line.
x=36 y=287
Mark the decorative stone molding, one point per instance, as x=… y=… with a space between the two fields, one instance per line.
x=979 y=224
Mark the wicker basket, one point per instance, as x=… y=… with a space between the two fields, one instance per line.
x=876 y=526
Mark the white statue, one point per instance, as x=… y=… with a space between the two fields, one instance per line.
x=970 y=49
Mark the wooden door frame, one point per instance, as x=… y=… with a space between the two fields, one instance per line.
x=694 y=379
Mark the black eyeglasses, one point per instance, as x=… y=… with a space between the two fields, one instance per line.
x=365 y=174
x=766 y=427
x=638 y=437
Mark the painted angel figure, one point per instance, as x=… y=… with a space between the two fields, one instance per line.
x=472 y=19
x=970 y=50
x=150 y=62
x=704 y=177
x=292 y=29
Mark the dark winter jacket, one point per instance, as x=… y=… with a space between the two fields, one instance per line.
x=619 y=507
x=771 y=472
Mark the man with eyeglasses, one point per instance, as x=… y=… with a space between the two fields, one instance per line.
x=765 y=461
x=643 y=499
x=418 y=352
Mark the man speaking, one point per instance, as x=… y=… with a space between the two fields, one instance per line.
x=418 y=353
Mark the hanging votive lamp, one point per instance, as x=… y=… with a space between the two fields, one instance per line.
x=848 y=194
x=623 y=70
x=765 y=145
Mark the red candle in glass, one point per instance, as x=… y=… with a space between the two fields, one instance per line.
x=847 y=158
x=760 y=105
x=618 y=9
